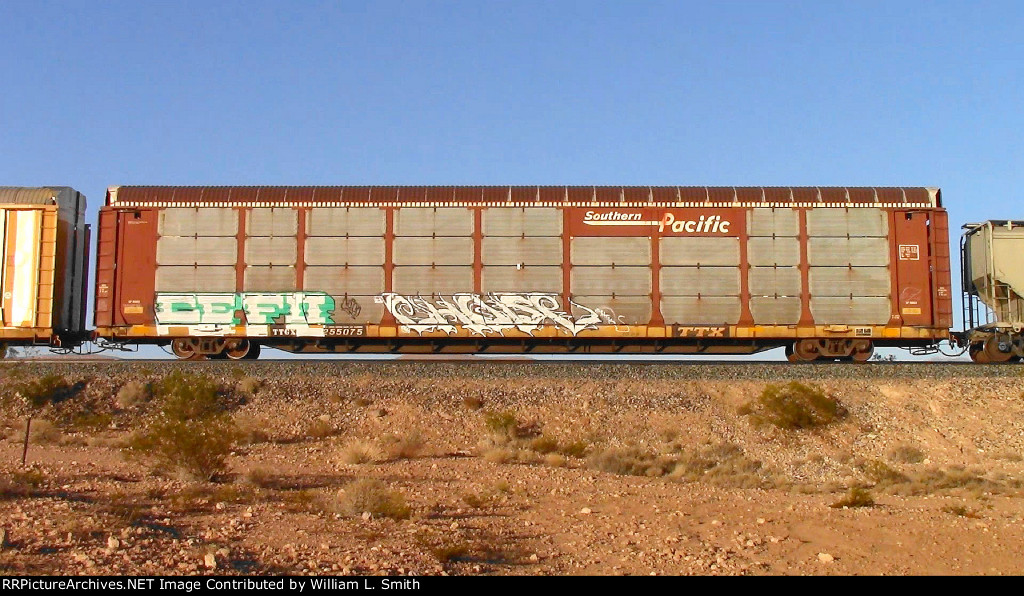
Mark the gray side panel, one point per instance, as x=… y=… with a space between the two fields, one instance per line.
x=617 y=310
x=769 y=252
x=195 y=279
x=852 y=252
x=604 y=281
x=847 y=311
x=338 y=281
x=773 y=222
x=703 y=251
x=412 y=281
x=430 y=221
x=270 y=250
x=433 y=251
x=527 y=279
x=342 y=221
x=625 y=251
x=341 y=251
x=706 y=310
x=826 y=221
x=272 y=221
x=705 y=281
x=844 y=281
x=269 y=279
x=775 y=311
x=771 y=281
x=201 y=250
x=197 y=221
x=497 y=250
x=522 y=221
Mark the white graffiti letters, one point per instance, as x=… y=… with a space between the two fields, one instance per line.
x=488 y=313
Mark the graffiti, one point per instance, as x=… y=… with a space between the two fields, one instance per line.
x=252 y=308
x=488 y=313
x=350 y=306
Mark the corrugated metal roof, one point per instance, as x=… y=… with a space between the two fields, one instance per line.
x=21 y=195
x=141 y=195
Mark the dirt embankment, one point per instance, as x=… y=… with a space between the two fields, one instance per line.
x=513 y=468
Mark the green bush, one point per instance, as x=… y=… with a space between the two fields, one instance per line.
x=795 y=406
x=45 y=390
x=190 y=397
x=193 y=435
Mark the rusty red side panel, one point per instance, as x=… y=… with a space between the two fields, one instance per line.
x=942 y=290
x=136 y=267
x=913 y=267
x=106 y=247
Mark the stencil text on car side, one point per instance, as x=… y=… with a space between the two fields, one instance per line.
x=645 y=221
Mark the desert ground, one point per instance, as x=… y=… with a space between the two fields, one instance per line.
x=511 y=468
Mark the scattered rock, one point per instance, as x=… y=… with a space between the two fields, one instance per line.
x=826 y=558
x=210 y=560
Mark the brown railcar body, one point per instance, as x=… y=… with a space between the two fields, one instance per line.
x=826 y=272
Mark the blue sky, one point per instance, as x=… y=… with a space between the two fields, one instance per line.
x=493 y=92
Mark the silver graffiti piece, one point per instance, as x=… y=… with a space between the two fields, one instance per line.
x=495 y=312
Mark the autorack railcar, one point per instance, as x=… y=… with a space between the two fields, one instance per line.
x=828 y=273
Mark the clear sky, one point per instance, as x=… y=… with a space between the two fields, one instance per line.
x=514 y=92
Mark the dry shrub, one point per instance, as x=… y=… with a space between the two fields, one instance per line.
x=718 y=464
x=92 y=421
x=880 y=473
x=544 y=445
x=196 y=449
x=555 y=460
x=906 y=454
x=132 y=394
x=721 y=464
x=1007 y=455
x=961 y=511
x=321 y=428
x=21 y=484
x=193 y=435
x=497 y=455
x=794 y=406
x=252 y=429
x=474 y=500
x=360 y=451
x=857 y=497
x=262 y=477
x=501 y=423
x=631 y=461
x=578 y=448
x=407 y=446
x=952 y=479
x=505 y=424
x=248 y=386
x=373 y=497
x=41 y=432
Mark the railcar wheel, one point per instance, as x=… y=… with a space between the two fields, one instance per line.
x=254 y=352
x=185 y=350
x=806 y=351
x=864 y=354
x=978 y=354
x=241 y=350
x=993 y=353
